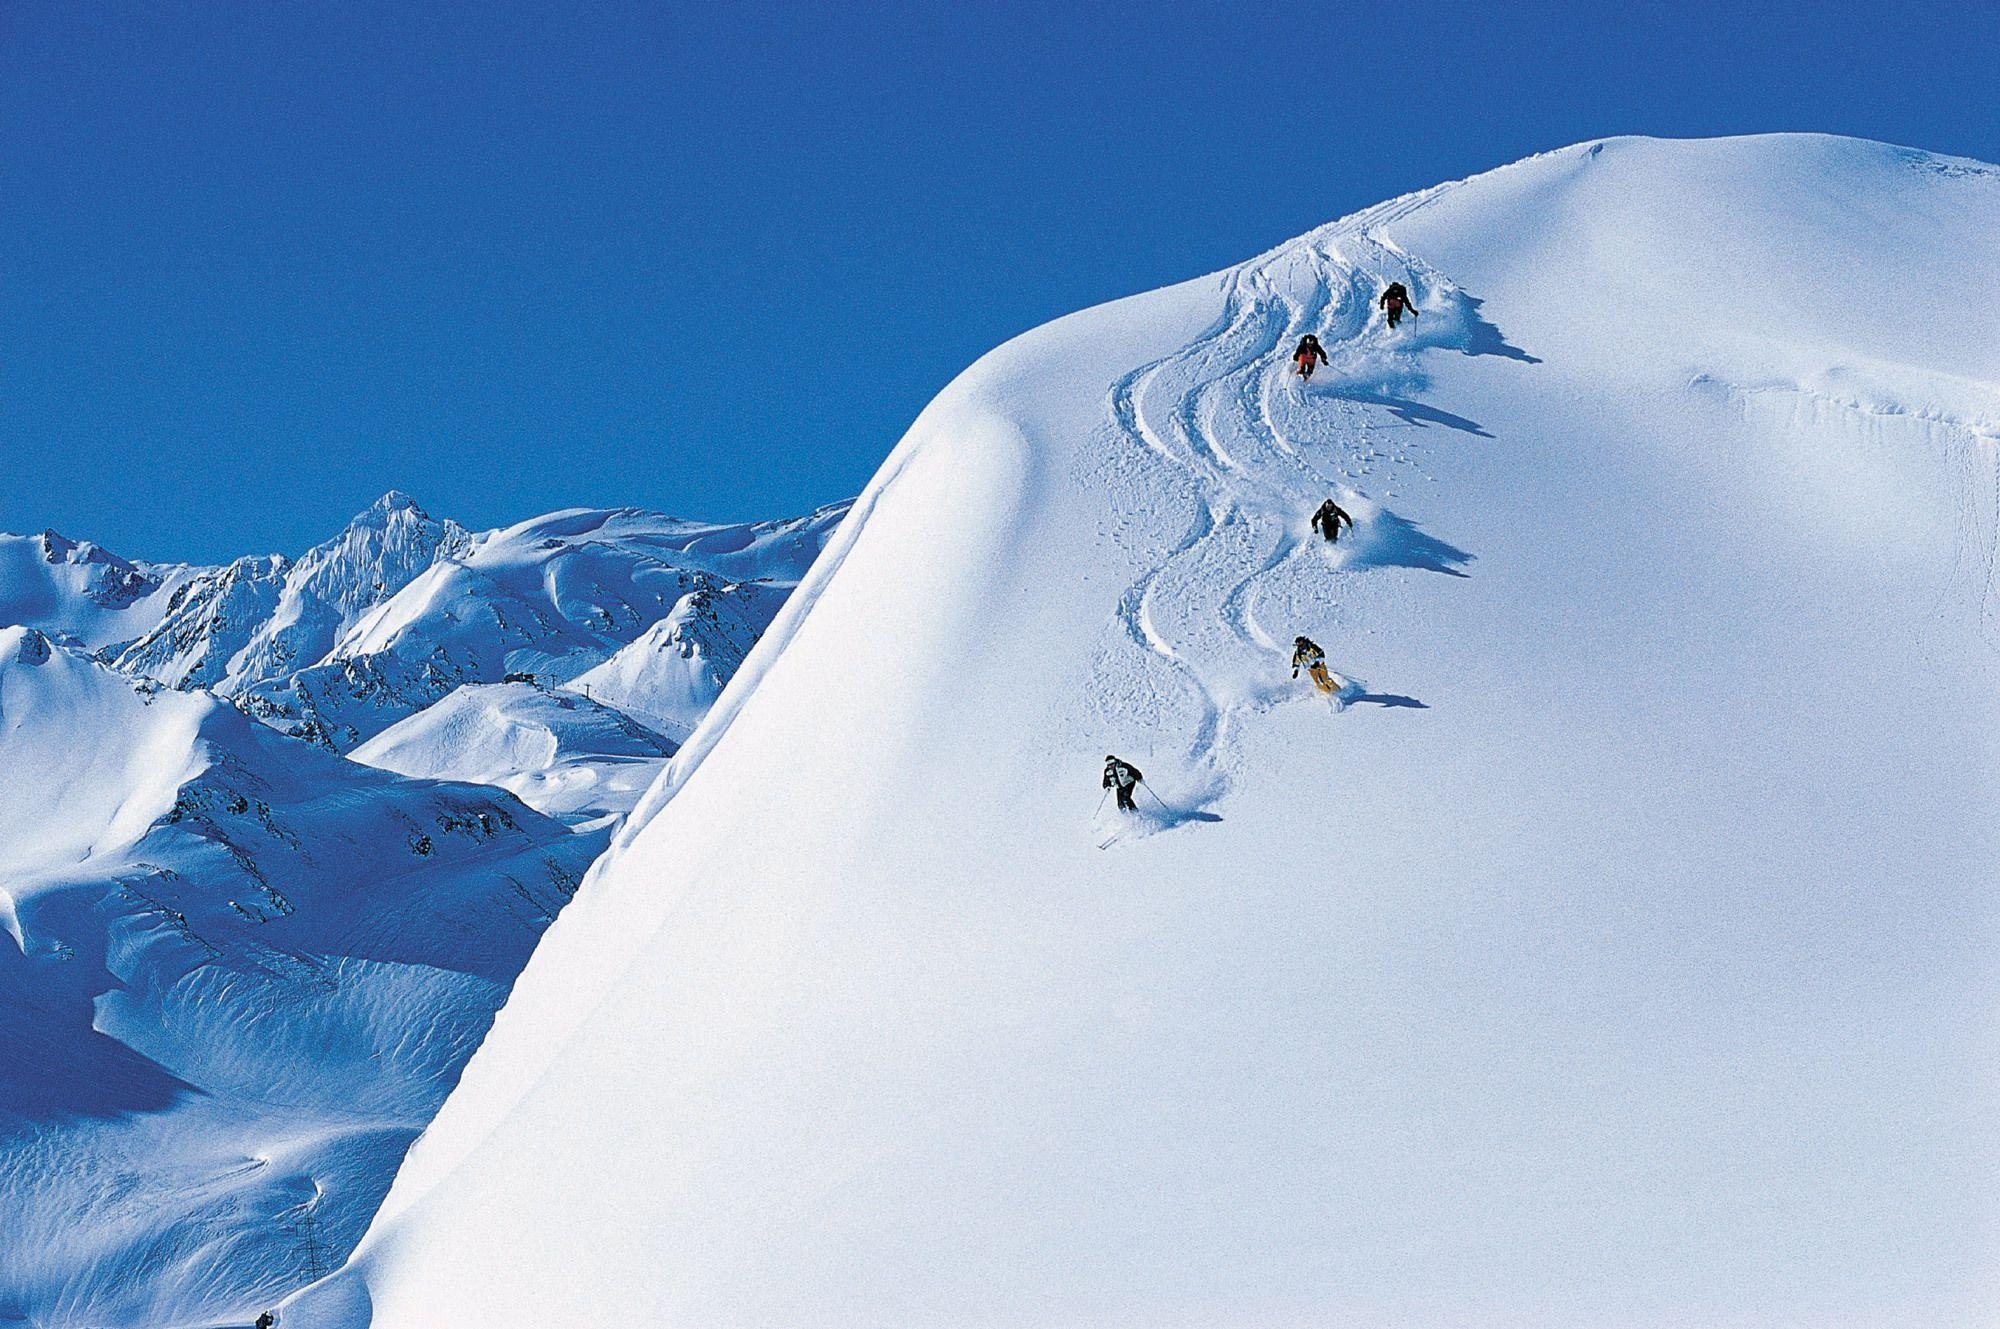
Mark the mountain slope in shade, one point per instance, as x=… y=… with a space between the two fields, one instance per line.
x=81 y=593
x=242 y=972
x=1619 y=950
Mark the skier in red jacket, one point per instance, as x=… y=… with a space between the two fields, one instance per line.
x=1310 y=353
x=1395 y=301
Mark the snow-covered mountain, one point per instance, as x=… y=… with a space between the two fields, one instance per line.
x=560 y=753
x=261 y=619
x=1619 y=952
x=244 y=972
x=549 y=598
x=82 y=594
x=672 y=673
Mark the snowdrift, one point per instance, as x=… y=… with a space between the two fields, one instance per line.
x=1621 y=953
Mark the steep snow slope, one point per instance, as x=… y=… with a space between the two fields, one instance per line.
x=83 y=594
x=1622 y=953
x=241 y=974
x=560 y=753
x=551 y=597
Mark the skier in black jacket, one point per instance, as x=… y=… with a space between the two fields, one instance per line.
x=1395 y=301
x=1306 y=652
x=1124 y=777
x=1326 y=520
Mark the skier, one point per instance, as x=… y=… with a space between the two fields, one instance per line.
x=266 y=1320
x=1394 y=301
x=1328 y=518
x=1124 y=777
x=1304 y=652
x=1310 y=353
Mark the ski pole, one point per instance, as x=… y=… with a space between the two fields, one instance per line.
x=1155 y=797
x=1100 y=804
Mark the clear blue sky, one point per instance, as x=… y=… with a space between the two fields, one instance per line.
x=261 y=261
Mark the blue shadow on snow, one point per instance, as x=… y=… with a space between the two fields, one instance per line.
x=1389 y=699
x=1388 y=541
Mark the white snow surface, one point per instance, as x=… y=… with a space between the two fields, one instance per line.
x=1621 y=954
x=241 y=972
x=560 y=753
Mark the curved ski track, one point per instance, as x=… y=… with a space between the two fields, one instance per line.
x=1215 y=410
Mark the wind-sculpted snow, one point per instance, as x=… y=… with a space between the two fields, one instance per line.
x=242 y=973
x=1616 y=948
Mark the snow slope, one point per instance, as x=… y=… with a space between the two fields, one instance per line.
x=241 y=973
x=560 y=753
x=1622 y=952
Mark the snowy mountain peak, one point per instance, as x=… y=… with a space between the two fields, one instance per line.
x=262 y=619
x=82 y=592
x=548 y=598
x=26 y=646
x=394 y=500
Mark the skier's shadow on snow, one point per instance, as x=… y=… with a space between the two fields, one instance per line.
x=1485 y=339
x=1388 y=541
x=1477 y=337
x=1393 y=699
x=1167 y=817
x=1415 y=412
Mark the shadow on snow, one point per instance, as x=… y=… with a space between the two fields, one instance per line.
x=1386 y=540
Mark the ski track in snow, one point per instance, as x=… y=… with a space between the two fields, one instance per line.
x=1228 y=413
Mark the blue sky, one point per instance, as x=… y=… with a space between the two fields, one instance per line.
x=260 y=262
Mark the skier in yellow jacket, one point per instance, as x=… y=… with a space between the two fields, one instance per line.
x=1310 y=657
